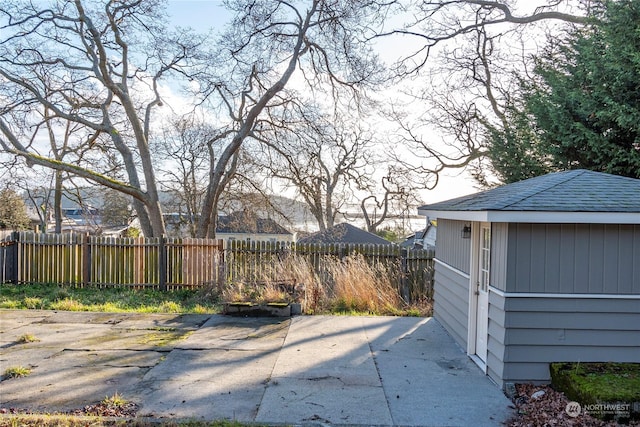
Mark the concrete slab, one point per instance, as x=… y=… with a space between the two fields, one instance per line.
x=220 y=372
x=80 y=358
x=189 y=322
x=239 y=333
x=325 y=400
x=308 y=370
x=206 y=385
x=72 y=379
x=427 y=378
x=324 y=373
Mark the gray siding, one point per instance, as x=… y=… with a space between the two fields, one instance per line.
x=573 y=258
x=499 y=246
x=451 y=248
x=526 y=334
x=451 y=302
x=495 y=341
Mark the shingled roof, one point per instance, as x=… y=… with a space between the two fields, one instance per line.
x=248 y=222
x=344 y=233
x=569 y=192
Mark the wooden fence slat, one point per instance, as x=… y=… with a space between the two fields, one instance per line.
x=79 y=259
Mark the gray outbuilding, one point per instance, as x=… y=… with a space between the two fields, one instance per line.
x=539 y=271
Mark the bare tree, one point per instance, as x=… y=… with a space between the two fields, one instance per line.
x=74 y=61
x=336 y=165
x=392 y=196
x=323 y=159
x=267 y=43
x=436 y=22
x=182 y=155
x=468 y=57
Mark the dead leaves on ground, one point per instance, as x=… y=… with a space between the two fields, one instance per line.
x=542 y=406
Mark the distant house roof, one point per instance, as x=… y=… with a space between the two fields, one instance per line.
x=576 y=196
x=425 y=238
x=344 y=233
x=247 y=222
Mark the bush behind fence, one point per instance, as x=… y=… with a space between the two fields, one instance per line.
x=173 y=263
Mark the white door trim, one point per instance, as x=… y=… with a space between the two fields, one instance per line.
x=474 y=278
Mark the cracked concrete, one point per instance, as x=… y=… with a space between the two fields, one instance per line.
x=316 y=369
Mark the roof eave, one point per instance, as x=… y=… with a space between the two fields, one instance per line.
x=549 y=217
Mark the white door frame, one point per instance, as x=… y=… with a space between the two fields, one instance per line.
x=474 y=279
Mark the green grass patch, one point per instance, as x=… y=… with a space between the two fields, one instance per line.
x=163 y=338
x=108 y=300
x=27 y=338
x=594 y=383
x=16 y=372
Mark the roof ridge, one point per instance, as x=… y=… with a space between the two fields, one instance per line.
x=552 y=180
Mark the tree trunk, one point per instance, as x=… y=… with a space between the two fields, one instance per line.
x=57 y=202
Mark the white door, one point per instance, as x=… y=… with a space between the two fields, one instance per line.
x=482 y=291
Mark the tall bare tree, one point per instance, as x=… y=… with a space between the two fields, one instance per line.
x=267 y=43
x=394 y=195
x=76 y=61
x=338 y=164
x=324 y=159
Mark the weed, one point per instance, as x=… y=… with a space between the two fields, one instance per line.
x=345 y=286
x=16 y=372
x=26 y=338
x=116 y=401
x=32 y=302
x=199 y=309
x=10 y=304
x=163 y=338
x=68 y=304
x=169 y=307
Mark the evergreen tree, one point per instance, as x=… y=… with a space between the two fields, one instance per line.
x=582 y=107
x=13 y=211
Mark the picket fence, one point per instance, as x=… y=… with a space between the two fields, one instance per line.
x=174 y=263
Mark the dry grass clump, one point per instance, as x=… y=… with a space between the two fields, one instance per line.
x=358 y=286
x=255 y=292
x=288 y=280
x=328 y=284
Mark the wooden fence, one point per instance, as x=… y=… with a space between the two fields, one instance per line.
x=80 y=259
x=171 y=263
x=254 y=261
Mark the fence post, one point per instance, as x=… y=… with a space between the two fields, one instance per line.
x=219 y=257
x=12 y=255
x=404 y=281
x=85 y=251
x=162 y=261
